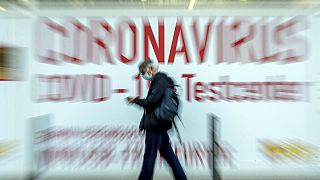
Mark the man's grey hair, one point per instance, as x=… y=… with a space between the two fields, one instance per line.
x=147 y=63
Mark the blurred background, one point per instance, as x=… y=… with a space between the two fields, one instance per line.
x=180 y=4
x=249 y=73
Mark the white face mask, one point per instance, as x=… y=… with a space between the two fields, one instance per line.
x=147 y=76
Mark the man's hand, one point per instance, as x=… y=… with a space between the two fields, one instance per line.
x=130 y=100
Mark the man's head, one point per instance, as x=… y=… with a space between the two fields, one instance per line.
x=148 y=69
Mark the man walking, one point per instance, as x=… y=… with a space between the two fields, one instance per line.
x=156 y=131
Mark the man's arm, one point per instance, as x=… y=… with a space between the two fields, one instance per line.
x=155 y=96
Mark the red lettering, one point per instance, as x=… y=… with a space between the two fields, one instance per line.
x=178 y=32
x=133 y=29
x=199 y=88
x=188 y=77
x=149 y=36
x=201 y=46
x=101 y=43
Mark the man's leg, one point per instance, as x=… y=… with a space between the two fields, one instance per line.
x=167 y=153
x=150 y=154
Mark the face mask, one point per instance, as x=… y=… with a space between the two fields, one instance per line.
x=147 y=76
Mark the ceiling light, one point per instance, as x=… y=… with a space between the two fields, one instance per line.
x=191 y=4
x=2 y=9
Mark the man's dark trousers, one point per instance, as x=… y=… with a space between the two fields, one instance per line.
x=159 y=139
